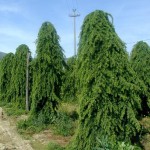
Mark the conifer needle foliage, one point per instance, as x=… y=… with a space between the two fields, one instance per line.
x=17 y=92
x=5 y=76
x=140 y=61
x=69 y=80
x=47 y=75
x=107 y=84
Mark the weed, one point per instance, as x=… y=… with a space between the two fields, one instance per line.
x=38 y=145
x=64 y=125
x=105 y=144
x=54 y=146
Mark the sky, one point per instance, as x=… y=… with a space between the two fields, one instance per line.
x=20 y=21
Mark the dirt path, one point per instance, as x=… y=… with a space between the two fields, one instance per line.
x=9 y=138
x=48 y=136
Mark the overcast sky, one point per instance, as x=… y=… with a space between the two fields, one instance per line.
x=20 y=20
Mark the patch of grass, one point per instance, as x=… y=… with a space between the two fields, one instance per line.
x=64 y=125
x=12 y=110
x=27 y=127
x=22 y=128
x=66 y=121
x=68 y=107
x=2 y=103
x=36 y=145
x=54 y=146
x=104 y=143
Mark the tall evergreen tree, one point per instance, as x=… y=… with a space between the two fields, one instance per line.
x=69 y=80
x=17 y=92
x=47 y=76
x=108 y=85
x=5 y=76
x=140 y=61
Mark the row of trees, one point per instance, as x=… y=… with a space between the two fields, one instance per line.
x=13 y=77
x=46 y=71
x=111 y=87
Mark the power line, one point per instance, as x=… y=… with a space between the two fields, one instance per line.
x=73 y=4
x=77 y=4
x=68 y=6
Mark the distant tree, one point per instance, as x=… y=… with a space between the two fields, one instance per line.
x=69 y=80
x=5 y=76
x=17 y=92
x=140 y=61
x=108 y=85
x=47 y=75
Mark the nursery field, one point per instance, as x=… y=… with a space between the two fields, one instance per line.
x=97 y=99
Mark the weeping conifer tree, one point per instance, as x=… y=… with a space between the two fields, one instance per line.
x=17 y=92
x=140 y=61
x=5 y=76
x=47 y=75
x=69 y=81
x=108 y=85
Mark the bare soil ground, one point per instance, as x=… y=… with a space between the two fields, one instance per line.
x=9 y=138
x=47 y=136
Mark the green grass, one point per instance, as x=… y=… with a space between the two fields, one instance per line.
x=64 y=125
x=54 y=146
x=66 y=121
x=36 y=145
x=68 y=107
x=104 y=143
x=11 y=109
x=26 y=127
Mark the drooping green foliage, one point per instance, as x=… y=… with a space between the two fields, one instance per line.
x=5 y=76
x=140 y=61
x=107 y=84
x=69 y=81
x=47 y=75
x=17 y=92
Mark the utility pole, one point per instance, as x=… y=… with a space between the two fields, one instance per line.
x=74 y=15
x=27 y=82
